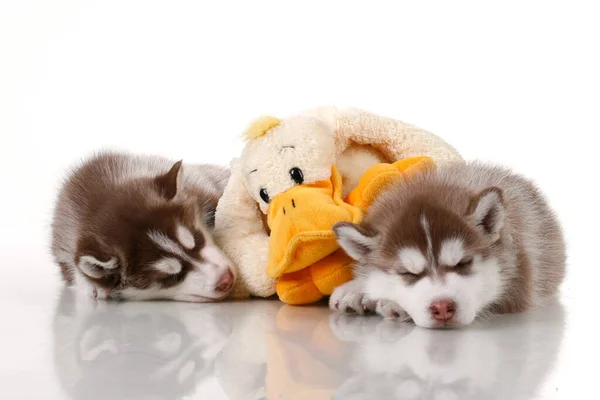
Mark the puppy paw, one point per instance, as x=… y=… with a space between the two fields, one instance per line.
x=350 y=298
x=390 y=310
x=348 y=303
x=369 y=306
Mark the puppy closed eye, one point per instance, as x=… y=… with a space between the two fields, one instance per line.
x=408 y=277
x=464 y=263
x=171 y=280
x=404 y=272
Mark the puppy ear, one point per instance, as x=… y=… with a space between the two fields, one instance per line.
x=95 y=259
x=355 y=240
x=487 y=211
x=170 y=183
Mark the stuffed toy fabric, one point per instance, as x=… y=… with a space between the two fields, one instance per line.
x=303 y=253
x=297 y=177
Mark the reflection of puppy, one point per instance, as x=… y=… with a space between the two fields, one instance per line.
x=454 y=243
x=135 y=350
x=140 y=227
x=506 y=359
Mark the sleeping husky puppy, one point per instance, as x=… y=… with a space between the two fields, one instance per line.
x=139 y=227
x=452 y=244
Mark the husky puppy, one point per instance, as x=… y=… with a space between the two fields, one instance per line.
x=139 y=227
x=451 y=244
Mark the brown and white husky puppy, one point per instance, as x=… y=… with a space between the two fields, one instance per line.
x=451 y=244
x=139 y=227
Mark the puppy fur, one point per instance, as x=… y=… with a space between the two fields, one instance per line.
x=140 y=227
x=449 y=245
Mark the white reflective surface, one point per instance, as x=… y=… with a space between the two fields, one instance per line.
x=516 y=84
x=57 y=346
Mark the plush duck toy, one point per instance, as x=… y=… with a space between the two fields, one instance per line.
x=303 y=252
x=299 y=176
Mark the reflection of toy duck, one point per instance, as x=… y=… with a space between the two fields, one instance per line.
x=305 y=359
x=303 y=253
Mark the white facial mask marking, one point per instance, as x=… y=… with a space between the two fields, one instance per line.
x=451 y=252
x=185 y=237
x=412 y=259
x=470 y=293
x=168 y=265
x=214 y=256
x=165 y=243
x=198 y=285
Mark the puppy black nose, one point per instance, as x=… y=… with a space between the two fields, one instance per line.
x=225 y=282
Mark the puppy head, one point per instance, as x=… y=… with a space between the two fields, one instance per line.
x=149 y=241
x=439 y=264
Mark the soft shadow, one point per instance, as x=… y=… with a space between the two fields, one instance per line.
x=266 y=350
x=136 y=350
x=506 y=357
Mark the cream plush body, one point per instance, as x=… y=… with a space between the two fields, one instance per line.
x=352 y=140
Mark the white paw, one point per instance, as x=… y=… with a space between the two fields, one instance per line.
x=390 y=310
x=348 y=302
x=350 y=298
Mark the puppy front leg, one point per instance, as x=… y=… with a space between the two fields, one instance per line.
x=351 y=298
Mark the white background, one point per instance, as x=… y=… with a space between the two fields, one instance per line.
x=516 y=83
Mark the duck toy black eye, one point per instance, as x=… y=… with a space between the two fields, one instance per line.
x=297 y=175
x=264 y=195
